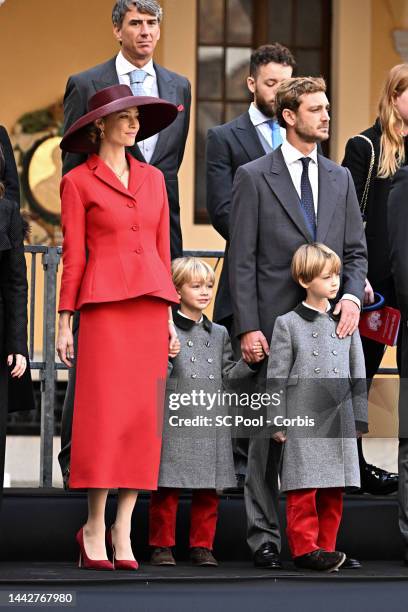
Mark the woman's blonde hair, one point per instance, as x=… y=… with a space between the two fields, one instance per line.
x=392 y=148
x=310 y=259
x=188 y=269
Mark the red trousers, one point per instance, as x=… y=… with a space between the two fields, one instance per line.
x=313 y=519
x=163 y=512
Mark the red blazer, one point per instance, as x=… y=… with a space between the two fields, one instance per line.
x=116 y=240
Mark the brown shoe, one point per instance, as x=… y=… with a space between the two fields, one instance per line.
x=202 y=556
x=162 y=556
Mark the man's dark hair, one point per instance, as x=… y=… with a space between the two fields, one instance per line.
x=270 y=53
x=121 y=7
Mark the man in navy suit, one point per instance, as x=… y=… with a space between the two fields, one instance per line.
x=136 y=26
x=240 y=141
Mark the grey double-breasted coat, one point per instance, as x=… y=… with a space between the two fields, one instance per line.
x=199 y=456
x=321 y=379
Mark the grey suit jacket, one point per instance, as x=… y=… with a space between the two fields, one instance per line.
x=170 y=146
x=229 y=146
x=267 y=226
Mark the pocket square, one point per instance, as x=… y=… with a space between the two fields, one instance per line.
x=180 y=108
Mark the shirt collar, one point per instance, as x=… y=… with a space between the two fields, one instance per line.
x=256 y=116
x=310 y=314
x=123 y=66
x=328 y=307
x=185 y=323
x=291 y=154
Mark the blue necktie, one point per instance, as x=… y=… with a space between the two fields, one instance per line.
x=136 y=80
x=276 y=133
x=306 y=197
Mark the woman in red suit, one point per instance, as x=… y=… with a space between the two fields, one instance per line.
x=116 y=272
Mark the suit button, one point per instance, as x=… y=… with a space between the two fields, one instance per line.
x=190 y=343
x=135 y=228
x=194 y=376
x=211 y=377
x=315 y=353
x=193 y=359
x=336 y=370
x=315 y=334
x=130 y=204
x=210 y=360
x=208 y=343
x=317 y=370
x=333 y=335
x=139 y=250
x=334 y=352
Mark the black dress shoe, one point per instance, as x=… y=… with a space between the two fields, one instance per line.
x=320 y=560
x=376 y=481
x=351 y=564
x=267 y=557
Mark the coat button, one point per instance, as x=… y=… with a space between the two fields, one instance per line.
x=317 y=370
x=333 y=335
x=193 y=359
x=194 y=376
x=315 y=334
x=211 y=377
x=139 y=250
x=315 y=353
x=334 y=352
x=135 y=228
x=130 y=205
x=208 y=343
x=190 y=343
x=210 y=360
x=336 y=370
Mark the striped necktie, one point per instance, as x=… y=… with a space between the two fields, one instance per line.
x=136 y=80
x=306 y=197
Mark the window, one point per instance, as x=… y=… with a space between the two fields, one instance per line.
x=227 y=32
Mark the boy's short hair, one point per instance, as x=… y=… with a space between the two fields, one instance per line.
x=310 y=259
x=187 y=269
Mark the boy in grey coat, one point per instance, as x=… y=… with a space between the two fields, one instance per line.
x=324 y=407
x=196 y=453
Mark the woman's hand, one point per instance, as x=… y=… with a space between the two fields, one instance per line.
x=279 y=436
x=65 y=340
x=174 y=342
x=20 y=367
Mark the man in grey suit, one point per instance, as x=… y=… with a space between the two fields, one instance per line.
x=136 y=26
x=282 y=200
x=238 y=142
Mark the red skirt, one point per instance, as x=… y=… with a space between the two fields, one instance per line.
x=119 y=394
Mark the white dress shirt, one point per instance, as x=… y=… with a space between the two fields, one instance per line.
x=260 y=122
x=292 y=157
x=201 y=319
x=123 y=67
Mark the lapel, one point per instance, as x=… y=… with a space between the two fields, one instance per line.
x=246 y=134
x=107 y=77
x=167 y=91
x=328 y=196
x=137 y=175
x=279 y=180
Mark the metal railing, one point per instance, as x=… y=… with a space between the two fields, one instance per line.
x=48 y=366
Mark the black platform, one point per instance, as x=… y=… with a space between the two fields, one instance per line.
x=38 y=554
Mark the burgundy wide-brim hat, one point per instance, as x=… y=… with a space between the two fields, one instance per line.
x=155 y=114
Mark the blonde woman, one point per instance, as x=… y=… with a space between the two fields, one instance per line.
x=373 y=157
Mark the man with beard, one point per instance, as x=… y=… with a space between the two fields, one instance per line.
x=238 y=142
x=287 y=198
x=229 y=146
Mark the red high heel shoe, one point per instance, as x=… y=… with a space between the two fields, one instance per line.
x=85 y=561
x=120 y=564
